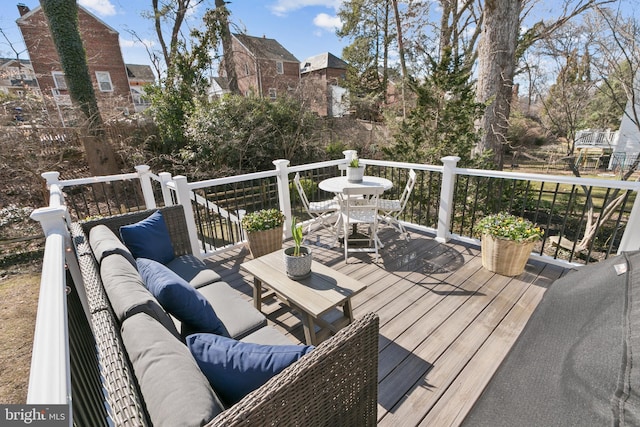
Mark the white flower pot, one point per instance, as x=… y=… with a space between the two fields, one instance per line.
x=355 y=174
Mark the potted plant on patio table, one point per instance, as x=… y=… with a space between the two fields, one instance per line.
x=297 y=259
x=355 y=171
x=264 y=231
x=507 y=241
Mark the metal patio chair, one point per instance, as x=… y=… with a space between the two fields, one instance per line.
x=391 y=209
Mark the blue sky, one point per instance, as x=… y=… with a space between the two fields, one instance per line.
x=304 y=27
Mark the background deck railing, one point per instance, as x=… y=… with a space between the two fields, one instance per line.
x=446 y=201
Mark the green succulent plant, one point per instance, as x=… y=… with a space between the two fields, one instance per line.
x=296 y=233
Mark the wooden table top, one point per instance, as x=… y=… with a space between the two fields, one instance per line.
x=325 y=289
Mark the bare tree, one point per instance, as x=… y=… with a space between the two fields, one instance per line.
x=497 y=54
x=62 y=16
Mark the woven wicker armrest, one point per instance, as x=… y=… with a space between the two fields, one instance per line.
x=334 y=385
x=173 y=216
x=120 y=389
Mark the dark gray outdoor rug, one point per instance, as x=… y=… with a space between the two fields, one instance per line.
x=576 y=361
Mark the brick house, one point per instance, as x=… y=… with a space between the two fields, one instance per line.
x=263 y=66
x=104 y=59
x=17 y=77
x=323 y=76
x=139 y=76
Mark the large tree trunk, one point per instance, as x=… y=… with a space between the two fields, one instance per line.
x=496 y=67
x=227 y=47
x=62 y=16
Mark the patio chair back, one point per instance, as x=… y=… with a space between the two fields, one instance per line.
x=392 y=209
x=360 y=206
x=316 y=210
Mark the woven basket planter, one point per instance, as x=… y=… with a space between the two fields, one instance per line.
x=505 y=257
x=265 y=241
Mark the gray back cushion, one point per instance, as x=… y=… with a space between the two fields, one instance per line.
x=176 y=392
x=127 y=293
x=104 y=243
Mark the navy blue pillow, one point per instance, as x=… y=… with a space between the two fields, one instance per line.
x=180 y=298
x=149 y=238
x=236 y=368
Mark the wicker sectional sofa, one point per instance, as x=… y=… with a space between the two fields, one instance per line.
x=149 y=376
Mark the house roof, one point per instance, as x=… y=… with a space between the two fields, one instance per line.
x=140 y=72
x=322 y=61
x=264 y=48
x=9 y=62
x=27 y=15
x=223 y=82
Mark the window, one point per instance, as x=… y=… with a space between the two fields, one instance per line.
x=59 y=80
x=272 y=93
x=246 y=69
x=279 y=67
x=104 y=81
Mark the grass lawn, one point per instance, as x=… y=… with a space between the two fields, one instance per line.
x=18 y=305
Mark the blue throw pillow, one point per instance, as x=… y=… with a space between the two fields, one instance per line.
x=149 y=238
x=236 y=368
x=180 y=298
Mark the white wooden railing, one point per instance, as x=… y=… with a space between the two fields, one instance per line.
x=49 y=381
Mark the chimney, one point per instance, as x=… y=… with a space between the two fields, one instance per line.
x=23 y=9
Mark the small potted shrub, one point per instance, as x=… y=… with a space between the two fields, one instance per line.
x=297 y=259
x=507 y=241
x=264 y=231
x=355 y=171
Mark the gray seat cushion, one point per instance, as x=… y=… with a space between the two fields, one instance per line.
x=176 y=392
x=193 y=270
x=238 y=315
x=127 y=293
x=104 y=243
x=267 y=336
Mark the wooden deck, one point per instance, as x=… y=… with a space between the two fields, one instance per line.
x=445 y=322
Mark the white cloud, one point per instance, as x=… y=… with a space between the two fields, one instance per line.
x=100 y=7
x=327 y=22
x=282 y=7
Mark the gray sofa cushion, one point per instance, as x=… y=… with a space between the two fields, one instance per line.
x=238 y=315
x=127 y=293
x=176 y=393
x=268 y=335
x=104 y=242
x=193 y=270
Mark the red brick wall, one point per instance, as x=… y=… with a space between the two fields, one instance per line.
x=103 y=54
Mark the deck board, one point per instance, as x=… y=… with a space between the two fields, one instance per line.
x=445 y=322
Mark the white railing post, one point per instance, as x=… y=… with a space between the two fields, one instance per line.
x=145 y=183
x=284 y=199
x=165 y=177
x=446 y=198
x=631 y=238
x=184 y=198
x=50 y=377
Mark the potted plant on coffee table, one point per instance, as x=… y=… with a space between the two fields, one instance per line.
x=507 y=241
x=355 y=171
x=297 y=259
x=264 y=231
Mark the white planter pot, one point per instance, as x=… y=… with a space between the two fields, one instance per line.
x=297 y=267
x=355 y=174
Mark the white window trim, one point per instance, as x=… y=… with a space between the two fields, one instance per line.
x=279 y=67
x=102 y=81
x=56 y=82
x=273 y=93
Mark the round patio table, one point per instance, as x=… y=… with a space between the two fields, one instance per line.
x=338 y=183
